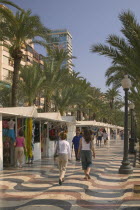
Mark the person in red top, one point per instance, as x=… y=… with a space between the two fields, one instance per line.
x=19 y=149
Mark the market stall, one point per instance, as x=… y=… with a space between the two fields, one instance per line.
x=98 y=125
x=54 y=124
x=11 y=120
x=41 y=131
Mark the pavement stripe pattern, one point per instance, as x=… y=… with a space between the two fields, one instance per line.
x=36 y=186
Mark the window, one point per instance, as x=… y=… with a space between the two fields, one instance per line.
x=35 y=55
x=41 y=57
x=5 y=73
x=41 y=66
x=10 y=74
x=11 y=62
x=27 y=58
x=29 y=49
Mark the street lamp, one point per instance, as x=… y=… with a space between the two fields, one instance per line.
x=125 y=168
x=132 y=139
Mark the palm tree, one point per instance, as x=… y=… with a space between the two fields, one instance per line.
x=71 y=94
x=54 y=73
x=53 y=79
x=15 y=31
x=112 y=95
x=93 y=103
x=65 y=98
x=58 y=54
x=5 y=95
x=9 y=3
x=31 y=82
x=124 y=52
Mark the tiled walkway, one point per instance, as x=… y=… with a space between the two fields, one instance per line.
x=36 y=186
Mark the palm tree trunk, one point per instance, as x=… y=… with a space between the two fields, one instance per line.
x=30 y=103
x=17 y=61
x=56 y=108
x=78 y=115
x=72 y=113
x=89 y=117
x=44 y=104
x=61 y=112
x=47 y=105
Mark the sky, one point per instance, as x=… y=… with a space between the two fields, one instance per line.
x=89 y=22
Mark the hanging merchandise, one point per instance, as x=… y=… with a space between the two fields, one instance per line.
x=6 y=151
x=11 y=132
x=8 y=139
x=52 y=133
x=5 y=127
x=28 y=138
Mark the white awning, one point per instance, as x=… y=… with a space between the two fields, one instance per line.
x=19 y=111
x=98 y=124
x=50 y=116
x=86 y=123
x=24 y=112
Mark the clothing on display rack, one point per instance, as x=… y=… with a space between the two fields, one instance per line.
x=11 y=132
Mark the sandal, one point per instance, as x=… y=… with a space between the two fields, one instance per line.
x=88 y=176
x=63 y=180
x=60 y=182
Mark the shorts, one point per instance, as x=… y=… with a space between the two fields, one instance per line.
x=86 y=159
x=99 y=138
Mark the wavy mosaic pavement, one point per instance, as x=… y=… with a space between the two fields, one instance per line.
x=36 y=186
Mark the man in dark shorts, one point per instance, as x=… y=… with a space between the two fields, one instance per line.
x=99 y=137
x=75 y=143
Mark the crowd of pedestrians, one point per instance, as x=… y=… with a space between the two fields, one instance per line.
x=82 y=144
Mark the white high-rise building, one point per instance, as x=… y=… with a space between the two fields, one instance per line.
x=62 y=38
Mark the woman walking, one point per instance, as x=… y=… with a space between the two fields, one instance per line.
x=105 y=136
x=86 y=148
x=19 y=149
x=64 y=154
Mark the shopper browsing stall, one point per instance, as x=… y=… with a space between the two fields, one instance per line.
x=19 y=149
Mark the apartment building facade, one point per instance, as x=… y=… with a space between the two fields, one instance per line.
x=6 y=63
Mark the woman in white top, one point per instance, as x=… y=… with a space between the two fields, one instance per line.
x=86 y=148
x=64 y=154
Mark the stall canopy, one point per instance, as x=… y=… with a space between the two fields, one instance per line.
x=53 y=116
x=31 y=112
x=86 y=123
x=98 y=124
x=19 y=111
x=70 y=119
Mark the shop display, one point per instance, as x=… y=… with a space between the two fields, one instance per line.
x=11 y=132
x=28 y=140
x=8 y=141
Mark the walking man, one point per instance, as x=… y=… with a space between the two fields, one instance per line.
x=75 y=143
